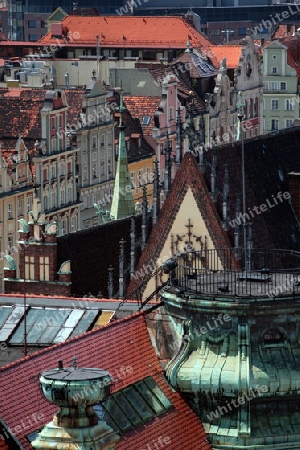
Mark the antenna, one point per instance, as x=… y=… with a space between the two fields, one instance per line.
x=98 y=57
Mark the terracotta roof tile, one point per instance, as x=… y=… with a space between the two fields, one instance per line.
x=184 y=83
x=124 y=343
x=293 y=53
x=142 y=106
x=3 y=446
x=129 y=31
x=20 y=113
x=232 y=53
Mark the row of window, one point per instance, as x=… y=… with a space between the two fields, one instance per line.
x=95 y=172
x=20 y=207
x=275 y=124
x=274 y=85
x=35 y=24
x=68 y=225
x=43 y=268
x=50 y=198
x=251 y=108
x=64 y=169
x=142 y=178
x=289 y=104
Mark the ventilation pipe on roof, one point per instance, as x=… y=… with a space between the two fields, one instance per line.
x=75 y=390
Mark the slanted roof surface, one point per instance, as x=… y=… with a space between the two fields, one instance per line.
x=232 y=53
x=268 y=160
x=20 y=112
x=129 y=31
x=142 y=106
x=124 y=349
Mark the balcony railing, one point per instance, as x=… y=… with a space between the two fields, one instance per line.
x=272 y=273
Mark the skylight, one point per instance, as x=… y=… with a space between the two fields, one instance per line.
x=44 y=326
x=134 y=405
x=129 y=407
x=146 y=120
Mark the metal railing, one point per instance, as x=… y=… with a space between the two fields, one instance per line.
x=272 y=273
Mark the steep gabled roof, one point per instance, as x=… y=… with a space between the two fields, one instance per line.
x=293 y=51
x=124 y=349
x=187 y=177
x=130 y=31
x=268 y=160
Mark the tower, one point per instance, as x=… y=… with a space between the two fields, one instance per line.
x=122 y=203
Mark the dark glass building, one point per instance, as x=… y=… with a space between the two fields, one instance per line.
x=31 y=14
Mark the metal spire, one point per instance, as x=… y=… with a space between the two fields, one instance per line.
x=122 y=203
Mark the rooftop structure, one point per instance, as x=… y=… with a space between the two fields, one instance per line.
x=153 y=410
x=236 y=357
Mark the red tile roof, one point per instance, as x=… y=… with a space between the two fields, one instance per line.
x=20 y=112
x=129 y=31
x=232 y=53
x=3 y=446
x=187 y=177
x=140 y=106
x=122 y=344
x=293 y=52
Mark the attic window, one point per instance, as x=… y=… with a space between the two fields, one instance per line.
x=146 y=120
x=273 y=336
x=134 y=405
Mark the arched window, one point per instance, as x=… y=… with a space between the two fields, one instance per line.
x=273 y=336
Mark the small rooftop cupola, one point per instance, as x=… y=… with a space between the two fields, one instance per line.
x=76 y=425
x=122 y=203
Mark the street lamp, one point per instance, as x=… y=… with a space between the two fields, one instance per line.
x=228 y=32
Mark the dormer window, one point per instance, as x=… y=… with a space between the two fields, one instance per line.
x=273 y=336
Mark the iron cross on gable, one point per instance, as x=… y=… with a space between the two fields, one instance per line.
x=189 y=227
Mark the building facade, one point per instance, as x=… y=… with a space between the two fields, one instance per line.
x=96 y=159
x=16 y=195
x=280 y=88
x=55 y=165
